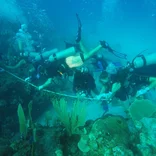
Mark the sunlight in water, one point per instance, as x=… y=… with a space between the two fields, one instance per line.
x=10 y=11
x=108 y=7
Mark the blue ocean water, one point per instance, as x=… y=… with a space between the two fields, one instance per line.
x=127 y=25
x=54 y=113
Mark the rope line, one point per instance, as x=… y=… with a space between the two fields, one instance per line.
x=52 y=92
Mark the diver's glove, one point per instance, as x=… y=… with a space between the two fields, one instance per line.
x=116 y=86
x=28 y=79
x=40 y=87
x=104 y=96
x=142 y=91
x=81 y=94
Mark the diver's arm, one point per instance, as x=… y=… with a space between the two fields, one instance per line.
x=46 y=84
x=152 y=81
x=103 y=90
x=108 y=96
x=115 y=87
x=92 y=52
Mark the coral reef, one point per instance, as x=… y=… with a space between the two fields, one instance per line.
x=71 y=135
x=108 y=136
x=147 y=136
x=73 y=119
x=142 y=108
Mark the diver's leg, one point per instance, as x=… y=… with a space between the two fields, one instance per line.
x=82 y=47
x=92 y=52
x=68 y=45
x=75 y=61
x=104 y=45
x=19 y=64
x=78 y=36
x=78 y=45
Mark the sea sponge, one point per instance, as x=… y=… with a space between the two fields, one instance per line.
x=106 y=133
x=141 y=108
x=111 y=129
x=83 y=144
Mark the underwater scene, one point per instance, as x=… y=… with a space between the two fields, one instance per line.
x=77 y=77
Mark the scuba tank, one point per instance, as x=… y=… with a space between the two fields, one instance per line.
x=141 y=60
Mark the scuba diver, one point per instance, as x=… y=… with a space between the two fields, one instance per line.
x=99 y=62
x=75 y=55
x=84 y=54
x=84 y=83
x=144 y=64
x=25 y=46
x=54 y=70
x=124 y=82
x=109 y=85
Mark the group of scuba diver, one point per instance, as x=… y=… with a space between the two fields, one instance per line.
x=133 y=80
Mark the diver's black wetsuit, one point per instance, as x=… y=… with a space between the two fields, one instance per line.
x=58 y=68
x=147 y=70
x=83 y=82
x=131 y=82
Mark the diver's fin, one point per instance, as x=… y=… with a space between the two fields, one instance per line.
x=119 y=55
x=78 y=36
x=105 y=45
x=68 y=45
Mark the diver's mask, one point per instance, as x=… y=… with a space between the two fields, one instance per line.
x=104 y=80
x=111 y=69
x=84 y=70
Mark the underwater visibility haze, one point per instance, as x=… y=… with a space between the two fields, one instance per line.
x=77 y=77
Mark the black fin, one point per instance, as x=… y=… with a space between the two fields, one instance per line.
x=78 y=36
